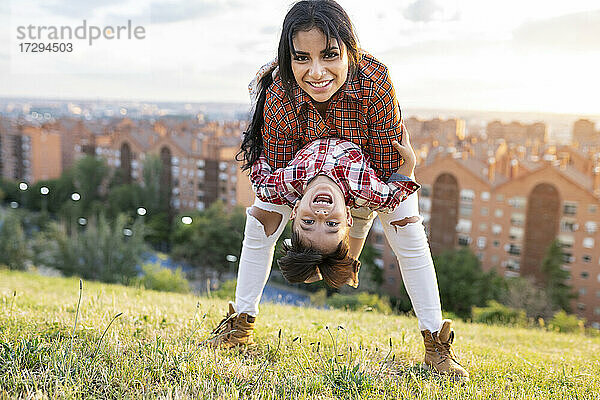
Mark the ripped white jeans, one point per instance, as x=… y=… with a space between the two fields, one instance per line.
x=408 y=242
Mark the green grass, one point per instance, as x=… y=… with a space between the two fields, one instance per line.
x=153 y=349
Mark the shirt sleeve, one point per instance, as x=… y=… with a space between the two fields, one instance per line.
x=385 y=126
x=269 y=186
x=278 y=131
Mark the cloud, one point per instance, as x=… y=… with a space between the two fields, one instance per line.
x=76 y=8
x=175 y=11
x=430 y=10
x=573 y=32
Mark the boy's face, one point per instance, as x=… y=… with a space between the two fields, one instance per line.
x=321 y=217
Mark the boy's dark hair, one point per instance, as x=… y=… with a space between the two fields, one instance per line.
x=301 y=261
x=329 y=17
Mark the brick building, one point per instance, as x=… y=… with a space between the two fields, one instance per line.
x=507 y=202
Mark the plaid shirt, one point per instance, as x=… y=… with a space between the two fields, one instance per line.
x=341 y=161
x=364 y=111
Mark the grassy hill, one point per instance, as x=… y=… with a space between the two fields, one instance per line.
x=153 y=349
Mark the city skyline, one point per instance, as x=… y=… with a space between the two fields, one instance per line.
x=521 y=57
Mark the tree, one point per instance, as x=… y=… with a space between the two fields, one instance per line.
x=156 y=198
x=104 y=251
x=555 y=278
x=523 y=294
x=210 y=238
x=13 y=246
x=462 y=283
x=89 y=176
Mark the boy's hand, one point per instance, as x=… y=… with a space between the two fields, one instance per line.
x=407 y=153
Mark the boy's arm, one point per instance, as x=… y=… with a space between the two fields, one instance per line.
x=269 y=186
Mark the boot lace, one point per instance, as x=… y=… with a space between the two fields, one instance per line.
x=444 y=349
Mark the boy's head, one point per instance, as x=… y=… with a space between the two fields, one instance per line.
x=321 y=218
x=304 y=263
x=319 y=248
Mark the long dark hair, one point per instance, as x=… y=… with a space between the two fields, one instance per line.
x=300 y=262
x=329 y=17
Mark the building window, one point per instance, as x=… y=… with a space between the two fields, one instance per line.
x=467 y=195
x=499 y=197
x=483 y=227
x=498 y=213
x=465 y=209
x=425 y=204
x=515 y=233
x=584 y=275
x=517 y=202
x=592 y=208
x=481 y=242
x=591 y=227
x=567 y=257
x=568 y=225
x=494 y=260
x=598 y=294
x=586 y=258
x=570 y=208
x=582 y=291
x=485 y=196
x=200 y=164
x=566 y=241
x=597 y=312
x=425 y=191
x=517 y=219
x=514 y=249
x=496 y=243
x=496 y=229
x=581 y=306
x=464 y=225
x=588 y=243
x=513 y=265
x=484 y=211
x=480 y=256
x=464 y=240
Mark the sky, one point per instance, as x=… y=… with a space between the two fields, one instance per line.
x=510 y=55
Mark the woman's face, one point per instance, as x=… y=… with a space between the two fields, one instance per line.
x=319 y=72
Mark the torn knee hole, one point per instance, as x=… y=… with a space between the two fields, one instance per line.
x=270 y=220
x=404 y=221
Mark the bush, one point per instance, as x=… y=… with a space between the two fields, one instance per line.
x=13 y=245
x=360 y=301
x=226 y=290
x=163 y=279
x=318 y=298
x=496 y=313
x=563 y=322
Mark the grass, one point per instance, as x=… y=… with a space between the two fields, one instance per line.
x=136 y=343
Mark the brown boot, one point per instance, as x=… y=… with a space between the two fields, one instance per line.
x=233 y=330
x=439 y=355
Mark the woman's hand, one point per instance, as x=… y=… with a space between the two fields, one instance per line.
x=408 y=155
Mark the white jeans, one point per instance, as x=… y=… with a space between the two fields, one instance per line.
x=408 y=242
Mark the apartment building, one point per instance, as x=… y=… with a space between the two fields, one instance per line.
x=29 y=152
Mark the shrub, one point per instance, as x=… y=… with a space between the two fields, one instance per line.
x=496 y=313
x=318 y=298
x=563 y=322
x=13 y=246
x=360 y=301
x=226 y=290
x=163 y=279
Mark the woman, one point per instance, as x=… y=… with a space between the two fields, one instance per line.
x=324 y=86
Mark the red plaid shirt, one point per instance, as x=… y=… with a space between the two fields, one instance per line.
x=341 y=161
x=364 y=111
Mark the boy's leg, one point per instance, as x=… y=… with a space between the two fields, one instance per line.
x=405 y=233
x=258 y=247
